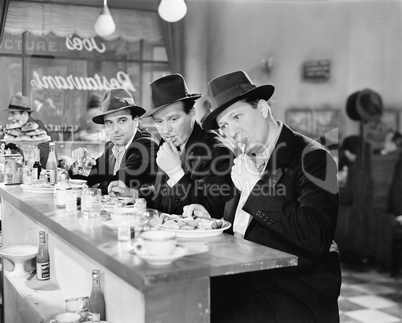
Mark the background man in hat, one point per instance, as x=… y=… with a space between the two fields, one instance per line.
x=287 y=199
x=19 y=113
x=194 y=166
x=130 y=154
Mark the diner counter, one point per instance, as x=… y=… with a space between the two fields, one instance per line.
x=174 y=293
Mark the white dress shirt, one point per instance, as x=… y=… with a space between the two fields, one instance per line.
x=119 y=152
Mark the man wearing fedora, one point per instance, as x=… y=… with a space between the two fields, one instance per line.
x=130 y=154
x=194 y=166
x=286 y=199
x=19 y=112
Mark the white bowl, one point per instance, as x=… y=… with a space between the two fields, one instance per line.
x=158 y=242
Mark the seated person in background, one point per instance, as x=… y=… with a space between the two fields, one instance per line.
x=90 y=131
x=194 y=165
x=286 y=199
x=22 y=126
x=130 y=155
x=392 y=142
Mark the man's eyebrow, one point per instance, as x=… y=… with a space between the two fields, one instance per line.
x=231 y=113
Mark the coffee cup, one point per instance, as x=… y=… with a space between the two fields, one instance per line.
x=158 y=242
x=66 y=318
x=78 y=305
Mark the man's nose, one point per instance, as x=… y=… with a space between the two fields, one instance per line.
x=234 y=132
x=166 y=128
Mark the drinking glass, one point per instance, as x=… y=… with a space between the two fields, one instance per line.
x=140 y=223
x=153 y=218
x=82 y=164
x=91 y=202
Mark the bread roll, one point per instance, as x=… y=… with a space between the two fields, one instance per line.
x=29 y=126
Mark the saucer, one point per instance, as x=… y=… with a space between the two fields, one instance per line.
x=158 y=260
x=113 y=225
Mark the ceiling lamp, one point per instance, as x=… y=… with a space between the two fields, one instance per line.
x=172 y=10
x=104 y=24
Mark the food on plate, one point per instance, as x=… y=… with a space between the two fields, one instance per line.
x=180 y=222
x=29 y=126
x=16 y=132
x=36 y=132
x=14 y=125
x=39 y=184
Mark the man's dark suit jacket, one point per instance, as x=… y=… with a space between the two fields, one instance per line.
x=207 y=165
x=137 y=168
x=294 y=209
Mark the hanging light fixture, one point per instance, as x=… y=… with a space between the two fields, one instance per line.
x=172 y=10
x=104 y=24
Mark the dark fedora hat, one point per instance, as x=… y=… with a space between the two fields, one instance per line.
x=369 y=105
x=167 y=90
x=19 y=103
x=116 y=100
x=230 y=88
x=364 y=105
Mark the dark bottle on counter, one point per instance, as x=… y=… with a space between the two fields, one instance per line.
x=42 y=258
x=36 y=168
x=96 y=300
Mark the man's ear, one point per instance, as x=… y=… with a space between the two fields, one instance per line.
x=264 y=108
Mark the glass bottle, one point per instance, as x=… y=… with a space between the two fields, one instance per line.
x=42 y=258
x=51 y=165
x=96 y=299
x=37 y=167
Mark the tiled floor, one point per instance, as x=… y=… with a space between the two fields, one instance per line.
x=368 y=296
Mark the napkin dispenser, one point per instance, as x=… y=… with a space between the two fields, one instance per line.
x=12 y=169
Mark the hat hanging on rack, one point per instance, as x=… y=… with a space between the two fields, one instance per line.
x=365 y=105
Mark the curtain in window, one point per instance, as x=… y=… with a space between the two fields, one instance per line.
x=174 y=42
x=3 y=15
x=63 y=20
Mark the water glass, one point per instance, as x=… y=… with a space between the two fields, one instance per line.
x=91 y=202
x=71 y=201
x=153 y=218
x=124 y=231
x=82 y=162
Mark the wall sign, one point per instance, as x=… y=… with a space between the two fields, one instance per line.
x=317 y=70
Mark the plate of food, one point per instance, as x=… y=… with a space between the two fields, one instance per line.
x=193 y=226
x=40 y=188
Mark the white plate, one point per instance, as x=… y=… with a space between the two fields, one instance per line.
x=113 y=225
x=41 y=190
x=19 y=251
x=198 y=233
x=158 y=260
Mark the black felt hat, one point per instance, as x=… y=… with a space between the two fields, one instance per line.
x=116 y=100
x=230 y=88
x=167 y=90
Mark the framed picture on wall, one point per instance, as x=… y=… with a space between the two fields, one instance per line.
x=300 y=120
x=325 y=120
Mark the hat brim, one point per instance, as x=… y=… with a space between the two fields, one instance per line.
x=98 y=119
x=18 y=110
x=261 y=92
x=351 y=110
x=192 y=97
